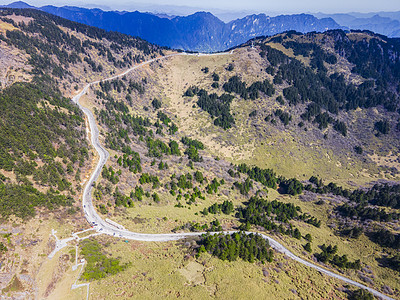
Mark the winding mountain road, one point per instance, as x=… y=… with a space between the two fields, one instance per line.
x=111 y=229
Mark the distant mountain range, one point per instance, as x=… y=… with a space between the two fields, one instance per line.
x=386 y=23
x=202 y=31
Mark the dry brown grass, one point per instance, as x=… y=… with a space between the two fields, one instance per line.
x=4 y=26
x=166 y=270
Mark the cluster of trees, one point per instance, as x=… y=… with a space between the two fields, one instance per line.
x=98 y=265
x=193 y=154
x=191 y=142
x=191 y=197
x=215 y=77
x=268 y=177
x=138 y=193
x=290 y=186
x=285 y=117
x=340 y=127
x=51 y=174
x=265 y=176
x=92 y=64
x=212 y=187
x=163 y=166
x=217 y=107
x=53 y=145
x=337 y=93
x=249 y=247
x=383 y=195
x=328 y=254
x=259 y=211
x=173 y=145
x=361 y=294
x=364 y=212
x=353 y=232
x=148 y=178
x=192 y=227
x=119 y=86
x=385 y=238
x=23 y=104
x=394 y=262
x=185 y=182
x=156 y=148
x=155 y=197
x=3 y=248
x=156 y=103
x=99 y=190
x=192 y=148
x=245 y=186
x=274 y=56
x=134 y=85
x=121 y=199
x=310 y=220
x=110 y=174
x=382 y=126
x=119 y=106
x=317 y=186
x=133 y=162
x=226 y=207
x=199 y=177
x=236 y=85
x=380 y=194
x=258 y=208
x=163 y=117
x=318 y=55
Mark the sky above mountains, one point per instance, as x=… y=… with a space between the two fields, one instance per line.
x=270 y=7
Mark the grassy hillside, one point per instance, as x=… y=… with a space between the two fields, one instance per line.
x=287 y=137
x=317 y=114
x=235 y=109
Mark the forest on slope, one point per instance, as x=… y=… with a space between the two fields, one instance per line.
x=43 y=142
x=45 y=155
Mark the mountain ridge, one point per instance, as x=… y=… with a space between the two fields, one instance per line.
x=201 y=31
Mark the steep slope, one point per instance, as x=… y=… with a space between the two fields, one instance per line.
x=44 y=152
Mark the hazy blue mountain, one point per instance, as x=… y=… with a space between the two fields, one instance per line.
x=382 y=25
x=154 y=29
x=200 y=31
x=386 y=23
x=19 y=4
x=241 y=30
